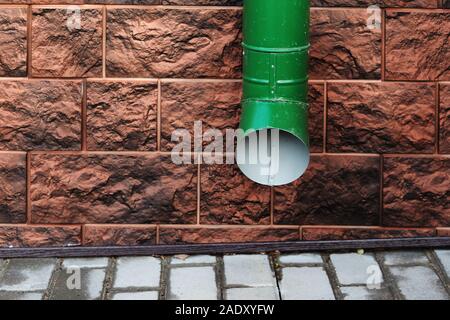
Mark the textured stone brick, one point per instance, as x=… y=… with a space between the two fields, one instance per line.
x=204 y=2
x=170 y=43
x=12 y=187
x=13 y=42
x=216 y=104
x=381 y=3
x=416 y=191
x=316 y=113
x=121 y=115
x=180 y=235
x=228 y=197
x=40 y=115
x=349 y=233
x=102 y=188
x=352 y=53
x=417 y=45
x=63 y=48
x=443 y=232
x=444 y=140
x=335 y=190
x=39 y=236
x=58 y=2
x=15 y=1
x=381 y=117
x=119 y=235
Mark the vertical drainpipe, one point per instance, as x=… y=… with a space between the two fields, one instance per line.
x=275 y=87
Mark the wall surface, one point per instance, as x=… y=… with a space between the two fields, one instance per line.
x=87 y=111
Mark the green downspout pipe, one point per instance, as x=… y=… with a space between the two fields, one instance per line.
x=275 y=87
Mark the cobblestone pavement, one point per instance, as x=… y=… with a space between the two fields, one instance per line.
x=353 y=276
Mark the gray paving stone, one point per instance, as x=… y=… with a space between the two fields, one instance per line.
x=11 y=295
x=86 y=262
x=192 y=283
x=305 y=283
x=249 y=270
x=177 y=260
x=444 y=258
x=88 y=287
x=137 y=272
x=352 y=268
x=145 y=295
x=262 y=293
x=404 y=257
x=27 y=274
x=301 y=258
x=419 y=283
x=363 y=293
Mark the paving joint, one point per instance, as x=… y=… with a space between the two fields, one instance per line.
x=220 y=278
x=109 y=278
x=391 y=284
x=164 y=278
x=332 y=276
x=57 y=269
x=438 y=269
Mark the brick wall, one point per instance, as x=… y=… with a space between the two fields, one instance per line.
x=86 y=116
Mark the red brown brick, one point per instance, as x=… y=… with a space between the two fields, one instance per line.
x=444 y=111
x=443 y=232
x=335 y=190
x=13 y=187
x=119 y=235
x=382 y=117
x=13 y=42
x=216 y=104
x=417 y=45
x=354 y=52
x=316 y=113
x=225 y=234
x=39 y=236
x=381 y=3
x=57 y=2
x=63 y=48
x=40 y=115
x=121 y=115
x=354 y=233
x=203 y=2
x=228 y=197
x=416 y=191
x=174 y=43
x=112 y=188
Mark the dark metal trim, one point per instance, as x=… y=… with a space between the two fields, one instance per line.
x=291 y=246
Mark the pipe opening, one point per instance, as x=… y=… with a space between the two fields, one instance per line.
x=272 y=157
